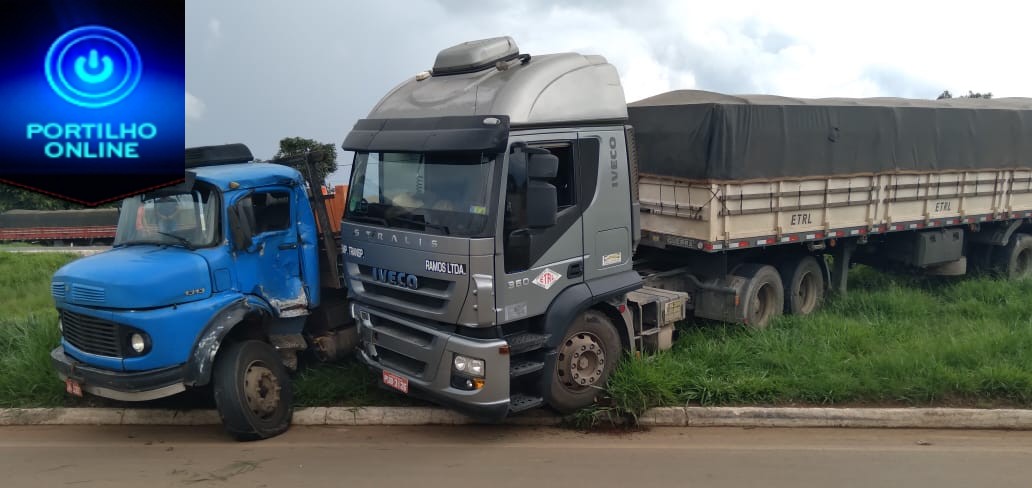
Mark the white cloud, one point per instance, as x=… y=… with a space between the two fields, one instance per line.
x=194 y=107
x=215 y=27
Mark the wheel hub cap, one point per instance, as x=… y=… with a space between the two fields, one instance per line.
x=261 y=389
x=581 y=361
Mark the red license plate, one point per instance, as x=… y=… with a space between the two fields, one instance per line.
x=73 y=387
x=392 y=380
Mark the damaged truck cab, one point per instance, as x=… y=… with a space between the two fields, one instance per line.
x=221 y=280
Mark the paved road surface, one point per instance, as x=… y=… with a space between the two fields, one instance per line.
x=489 y=457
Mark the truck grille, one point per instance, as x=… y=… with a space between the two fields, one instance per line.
x=91 y=335
x=57 y=289
x=432 y=295
x=85 y=293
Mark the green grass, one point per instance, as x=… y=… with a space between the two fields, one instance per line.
x=894 y=340
x=28 y=330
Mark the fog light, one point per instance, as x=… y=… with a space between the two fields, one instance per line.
x=137 y=342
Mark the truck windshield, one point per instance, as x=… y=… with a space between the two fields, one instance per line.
x=177 y=219
x=446 y=193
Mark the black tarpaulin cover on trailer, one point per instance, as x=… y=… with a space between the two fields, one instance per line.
x=709 y=136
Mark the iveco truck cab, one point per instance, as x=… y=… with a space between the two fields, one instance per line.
x=221 y=281
x=489 y=231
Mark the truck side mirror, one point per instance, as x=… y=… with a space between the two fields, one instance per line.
x=542 y=166
x=542 y=204
x=240 y=225
x=542 y=199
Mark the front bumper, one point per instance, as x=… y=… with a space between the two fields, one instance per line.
x=136 y=386
x=423 y=353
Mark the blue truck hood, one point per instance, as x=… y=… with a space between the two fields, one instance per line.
x=134 y=277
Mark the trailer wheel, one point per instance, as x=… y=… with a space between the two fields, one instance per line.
x=803 y=280
x=764 y=295
x=583 y=362
x=1014 y=261
x=252 y=391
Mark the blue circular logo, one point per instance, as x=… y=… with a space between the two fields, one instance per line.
x=93 y=66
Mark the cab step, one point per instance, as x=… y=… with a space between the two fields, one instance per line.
x=520 y=402
x=520 y=367
x=525 y=342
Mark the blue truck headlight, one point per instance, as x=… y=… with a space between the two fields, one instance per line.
x=138 y=343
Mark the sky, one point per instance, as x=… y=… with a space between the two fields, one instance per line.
x=261 y=70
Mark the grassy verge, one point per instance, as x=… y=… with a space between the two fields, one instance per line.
x=895 y=340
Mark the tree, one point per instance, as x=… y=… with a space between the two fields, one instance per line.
x=946 y=95
x=325 y=163
x=12 y=197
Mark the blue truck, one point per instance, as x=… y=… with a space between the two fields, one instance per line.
x=220 y=281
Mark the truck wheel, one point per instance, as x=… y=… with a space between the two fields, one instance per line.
x=252 y=390
x=764 y=296
x=583 y=362
x=1014 y=261
x=803 y=280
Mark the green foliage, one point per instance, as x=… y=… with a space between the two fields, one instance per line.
x=296 y=146
x=28 y=330
x=12 y=197
x=894 y=340
x=947 y=95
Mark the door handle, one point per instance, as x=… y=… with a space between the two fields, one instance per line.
x=575 y=270
x=289 y=245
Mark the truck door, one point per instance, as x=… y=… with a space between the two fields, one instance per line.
x=535 y=265
x=271 y=266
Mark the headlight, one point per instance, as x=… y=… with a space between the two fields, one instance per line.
x=469 y=366
x=138 y=343
x=60 y=326
x=460 y=363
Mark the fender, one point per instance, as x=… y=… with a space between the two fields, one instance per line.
x=199 y=366
x=578 y=298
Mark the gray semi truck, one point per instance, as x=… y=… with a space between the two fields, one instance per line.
x=514 y=228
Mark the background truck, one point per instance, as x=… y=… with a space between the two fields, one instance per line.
x=220 y=281
x=513 y=227
x=59 y=227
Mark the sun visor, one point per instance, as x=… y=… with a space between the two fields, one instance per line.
x=459 y=133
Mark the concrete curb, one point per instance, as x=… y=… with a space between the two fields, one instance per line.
x=922 y=418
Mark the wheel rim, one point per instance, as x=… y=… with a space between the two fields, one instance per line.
x=1023 y=264
x=762 y=304
x=261 y=390
x=582 y=360
x=806 y=295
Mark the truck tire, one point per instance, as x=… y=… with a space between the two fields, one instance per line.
x=803 y=281
x=583 y=362
x=1014 y=261
x=252 y=391
x=764 y=295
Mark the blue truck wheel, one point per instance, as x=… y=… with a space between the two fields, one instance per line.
x=252 y=390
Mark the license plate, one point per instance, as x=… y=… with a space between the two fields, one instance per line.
x=392 y=380
x=74 y=388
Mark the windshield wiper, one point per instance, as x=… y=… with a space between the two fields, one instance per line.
x=369 y=219
x=182 y=240
x=442 y=228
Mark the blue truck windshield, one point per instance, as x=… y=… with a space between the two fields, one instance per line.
x=180 y=219
x=446 y=193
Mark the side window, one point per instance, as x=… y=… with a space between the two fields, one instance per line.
x=516 y=237
x=271 y=211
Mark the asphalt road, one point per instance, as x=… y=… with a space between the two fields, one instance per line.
x=489 y=457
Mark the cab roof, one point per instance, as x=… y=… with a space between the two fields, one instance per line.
x=247 y=175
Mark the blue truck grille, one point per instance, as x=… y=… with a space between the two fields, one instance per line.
x=90 y=334
x=57 y=289
x=85 y=293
